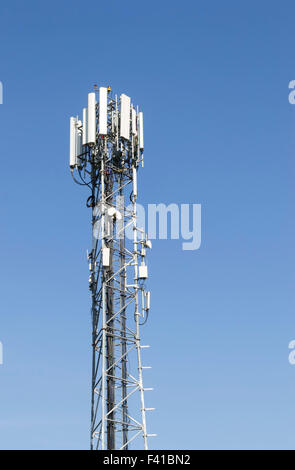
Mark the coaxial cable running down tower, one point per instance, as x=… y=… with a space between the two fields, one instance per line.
x=106 y=150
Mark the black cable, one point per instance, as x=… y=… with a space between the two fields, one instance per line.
x=87 y=184
x=76 y=181
x=146 y=319
x=92 y=199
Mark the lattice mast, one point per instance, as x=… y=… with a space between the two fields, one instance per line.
x=106 y=150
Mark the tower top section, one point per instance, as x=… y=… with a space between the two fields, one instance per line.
x=107 y=121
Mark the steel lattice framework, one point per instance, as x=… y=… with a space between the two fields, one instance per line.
x=106 y=151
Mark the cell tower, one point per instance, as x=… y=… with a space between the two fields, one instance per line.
x=106 y=150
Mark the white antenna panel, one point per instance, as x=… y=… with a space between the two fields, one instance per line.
x=103 y=111
x=78 y=141
x=140 y=124
x=72 y=142
x=85 y=119
x=134 y=182
x=91 y=118
x=133 y=121
x=147 y=300
x=125 y=117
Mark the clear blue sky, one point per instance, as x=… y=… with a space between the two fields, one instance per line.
x=212 y=79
